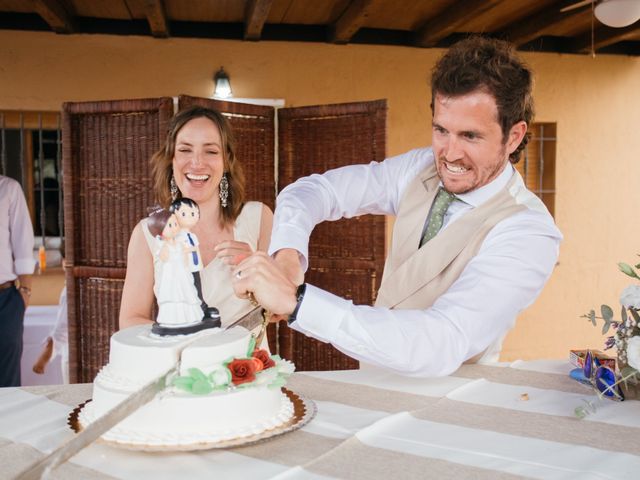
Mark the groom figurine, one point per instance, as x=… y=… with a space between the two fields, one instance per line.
x=188 y=213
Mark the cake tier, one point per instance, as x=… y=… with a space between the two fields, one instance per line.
x=178 y=418
x=137 y=356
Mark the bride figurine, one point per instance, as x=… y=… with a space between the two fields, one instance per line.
x=179 y=306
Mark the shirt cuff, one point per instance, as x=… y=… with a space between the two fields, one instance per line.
x=24 y=266
x=288 y=236
x=321 y=313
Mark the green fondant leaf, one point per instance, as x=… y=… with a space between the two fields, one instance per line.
x=252 y=346
x=201 y=387
x=183 y=383
x=197 y=374
x=276 y=358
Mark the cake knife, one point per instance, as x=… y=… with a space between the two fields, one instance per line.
x=43 y=467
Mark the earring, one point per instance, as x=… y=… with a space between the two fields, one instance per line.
x=173 y=188
x=224 y=190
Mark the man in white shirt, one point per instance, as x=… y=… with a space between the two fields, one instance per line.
x=16 y=269
x=471 y=247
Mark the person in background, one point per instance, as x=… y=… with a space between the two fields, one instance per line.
x=198 y=161
x=57 y=342
x=16 y=270
x=471 y=246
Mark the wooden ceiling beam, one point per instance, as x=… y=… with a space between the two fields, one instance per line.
x=351 y=20
x=450 y=21
x=604 y=36
x=255 y=17
x=54 y=13
x=157 y=18
x=155 y=14
x=534 y=26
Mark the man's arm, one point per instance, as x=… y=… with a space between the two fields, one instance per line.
x=505 y=277
x=22 y=241
x=510 y=270
x=374 y=188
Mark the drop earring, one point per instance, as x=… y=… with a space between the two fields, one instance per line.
x=224 y=190
x=173 y=188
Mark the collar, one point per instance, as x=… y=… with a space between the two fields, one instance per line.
x=477 y=197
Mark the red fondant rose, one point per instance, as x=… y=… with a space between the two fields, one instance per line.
x=243 y=370
x=265 y=358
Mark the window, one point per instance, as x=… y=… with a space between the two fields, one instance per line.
x=538 y=164
x=31 y=153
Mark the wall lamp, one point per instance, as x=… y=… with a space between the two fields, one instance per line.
x=222 y=85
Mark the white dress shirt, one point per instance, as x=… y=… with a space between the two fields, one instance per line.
x=16 y=232
x=509 y=271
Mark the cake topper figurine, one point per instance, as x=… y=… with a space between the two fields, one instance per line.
x=188 y=213
x=179 y=306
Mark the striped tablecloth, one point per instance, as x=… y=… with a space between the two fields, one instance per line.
x=476 y=423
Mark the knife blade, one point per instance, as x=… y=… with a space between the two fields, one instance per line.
x=43 y=467
x=251 y=320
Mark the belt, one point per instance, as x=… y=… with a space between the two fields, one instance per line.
x=6 y=285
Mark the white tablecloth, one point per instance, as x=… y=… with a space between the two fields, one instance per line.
x=373 y=424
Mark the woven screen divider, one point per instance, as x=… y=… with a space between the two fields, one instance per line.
x=254 y=129
x=107 y=190
x=346 y=257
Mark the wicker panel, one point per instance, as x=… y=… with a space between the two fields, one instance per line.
x=345 y=257
x=97 y=302
x=254 y=128
x=107 y=189
x=107 y=184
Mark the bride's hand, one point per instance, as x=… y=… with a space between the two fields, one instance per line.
x=232 y=252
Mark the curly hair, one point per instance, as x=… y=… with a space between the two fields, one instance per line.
x=479 y=63
x=162 y=161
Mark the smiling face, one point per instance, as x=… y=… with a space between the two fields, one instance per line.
x=468 y=142
x=198 y=161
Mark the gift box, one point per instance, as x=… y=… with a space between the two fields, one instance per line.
x=576 y=357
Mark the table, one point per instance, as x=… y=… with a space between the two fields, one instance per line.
x=372 y=424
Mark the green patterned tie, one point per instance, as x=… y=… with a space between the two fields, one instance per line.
x=439 y=208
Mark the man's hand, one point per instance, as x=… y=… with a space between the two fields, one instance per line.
x=267 y=280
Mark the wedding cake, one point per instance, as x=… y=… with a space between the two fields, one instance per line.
x=225 y=389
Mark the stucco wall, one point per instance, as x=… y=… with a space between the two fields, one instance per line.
x=595 y=103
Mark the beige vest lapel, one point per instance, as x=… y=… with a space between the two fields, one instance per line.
x=437 y=264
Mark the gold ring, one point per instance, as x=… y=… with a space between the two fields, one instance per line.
x=252 y=299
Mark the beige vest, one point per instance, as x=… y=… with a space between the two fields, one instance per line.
x=415 y=278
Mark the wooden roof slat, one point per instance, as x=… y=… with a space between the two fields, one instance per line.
x=155 y=13
x=157 y=18
x=351 y=20
x=532 y=27
x=450 y=21
x=255 y=17
x=54 y=13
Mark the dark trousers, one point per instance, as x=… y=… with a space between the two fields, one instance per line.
x=11 y=328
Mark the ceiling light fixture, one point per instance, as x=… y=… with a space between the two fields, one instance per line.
x=222 y=85
x=618 y=13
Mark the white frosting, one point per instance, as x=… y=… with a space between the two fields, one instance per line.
x=176 y=417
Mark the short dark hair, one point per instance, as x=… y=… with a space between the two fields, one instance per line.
x=178 y=202
x=479 y=63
